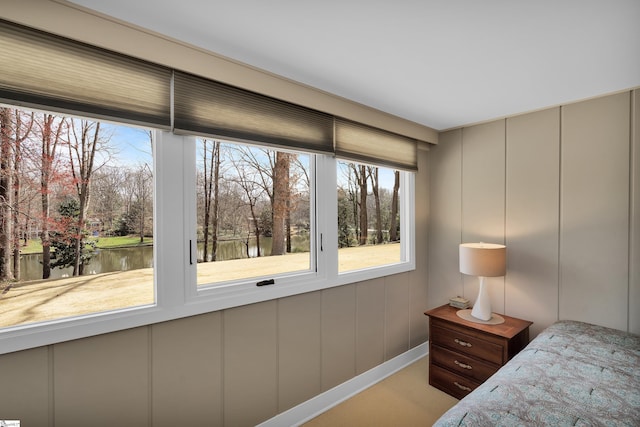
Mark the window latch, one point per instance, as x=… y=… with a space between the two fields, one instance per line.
x=266 y=282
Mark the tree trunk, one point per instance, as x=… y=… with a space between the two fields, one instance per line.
x=287 y=225
x=280 y=199
x=211 y=169
x=216 y=200
x=256 y=228
x=49 y=144
x=85 y=149
x=375 y=184
x=6 y=195
x=364 y=222
x=44 y=205
x=16 y=198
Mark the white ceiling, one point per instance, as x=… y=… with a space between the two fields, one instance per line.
x=441 y=63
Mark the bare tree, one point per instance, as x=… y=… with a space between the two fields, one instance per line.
x=142 y=192
x=84 y=142
x=272 y=172
x=21 y=132
x=51 y=135
x=211 y=184
x=299 y=191
x=375 y=186
x=362 y=180
x=106 y=201
x=6 y=194
x=216 y=204
x=247 y=177
x=348 y=197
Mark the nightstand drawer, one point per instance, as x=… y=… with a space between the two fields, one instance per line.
x=466 y=344
x=455 y=385
x=465 y=366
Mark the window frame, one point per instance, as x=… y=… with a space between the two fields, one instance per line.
x=175 y=282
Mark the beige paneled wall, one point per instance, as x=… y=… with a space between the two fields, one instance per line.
x=299 y=349
x=236 y=367
x=95 y=385
x=370 y=326
x=445 y=224
x=560 y=188
x=532 y=215
x=187 y=362
x=594 y=211
x=250 y=378
x=26 y=393
x=419 y=330
x=483 y=183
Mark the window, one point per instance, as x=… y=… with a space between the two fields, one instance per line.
x=368 y=216
x=77 y=214
x=253 y=212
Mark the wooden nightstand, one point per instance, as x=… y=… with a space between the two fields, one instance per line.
x=463 y=354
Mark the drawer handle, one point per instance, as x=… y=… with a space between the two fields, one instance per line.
x=463 y=365
x=462 y=343
x=461 y=387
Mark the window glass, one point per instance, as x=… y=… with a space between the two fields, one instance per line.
x=76 y=217
x=368 y=216
x=253 y=212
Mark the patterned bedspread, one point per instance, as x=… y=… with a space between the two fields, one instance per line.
x=572 y=374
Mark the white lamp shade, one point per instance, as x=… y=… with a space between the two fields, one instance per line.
x=483 y=259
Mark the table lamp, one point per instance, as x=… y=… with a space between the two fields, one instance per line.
x=483 y=260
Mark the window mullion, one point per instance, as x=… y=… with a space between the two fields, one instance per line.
x=171 y=249
x=327 y=218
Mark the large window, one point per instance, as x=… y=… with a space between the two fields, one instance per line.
x=115 y=226
x=77 y=217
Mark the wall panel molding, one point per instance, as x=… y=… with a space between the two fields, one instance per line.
x=594 y=215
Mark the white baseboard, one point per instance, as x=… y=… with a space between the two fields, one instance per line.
x=330 y=398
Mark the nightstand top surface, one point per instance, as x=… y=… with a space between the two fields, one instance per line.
x=510 y=328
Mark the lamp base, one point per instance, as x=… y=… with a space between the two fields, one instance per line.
x=496 y=319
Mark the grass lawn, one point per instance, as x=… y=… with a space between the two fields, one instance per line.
x=41 y=300
x=35 y=246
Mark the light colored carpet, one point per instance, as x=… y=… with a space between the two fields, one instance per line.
x=403 y=399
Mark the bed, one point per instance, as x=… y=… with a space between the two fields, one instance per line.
x=571 y=374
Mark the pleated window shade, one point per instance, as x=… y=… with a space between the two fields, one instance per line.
x=359 y=142
x=210 y=108
x=40 y=70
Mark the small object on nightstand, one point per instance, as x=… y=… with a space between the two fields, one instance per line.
x=459 y=302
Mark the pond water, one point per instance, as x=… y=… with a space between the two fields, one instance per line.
x=104 y=261
x=123 y=259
